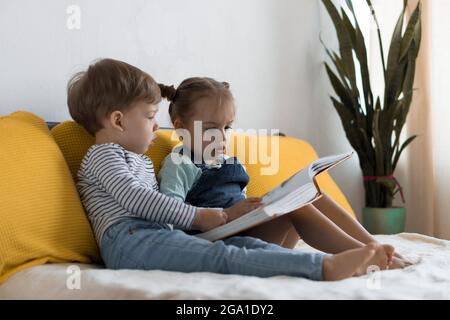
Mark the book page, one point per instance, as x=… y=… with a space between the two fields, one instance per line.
x=326 y=163
x=292 y=194
x=304 y=176
x=294 y=182
x=296 y=199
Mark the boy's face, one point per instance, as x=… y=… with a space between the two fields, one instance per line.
x=139 y=124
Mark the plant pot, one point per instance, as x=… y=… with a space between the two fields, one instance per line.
x=384 y=220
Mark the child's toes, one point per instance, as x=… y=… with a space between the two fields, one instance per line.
x=381 y=258
x=389 y=251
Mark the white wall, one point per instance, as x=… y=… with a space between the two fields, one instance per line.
x=268 y=50
x=263 y=48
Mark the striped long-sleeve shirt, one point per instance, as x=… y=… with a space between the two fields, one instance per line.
x=114 y=183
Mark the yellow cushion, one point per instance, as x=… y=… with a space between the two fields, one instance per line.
x=74 y=141
x=294 y=154
x=42 y=218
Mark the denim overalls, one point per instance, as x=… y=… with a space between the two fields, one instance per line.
x=218 y=187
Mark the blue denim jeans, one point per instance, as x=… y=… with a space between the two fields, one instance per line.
x=139 y=244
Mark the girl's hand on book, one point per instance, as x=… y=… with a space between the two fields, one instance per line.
x=242 y=207
x=208 y=218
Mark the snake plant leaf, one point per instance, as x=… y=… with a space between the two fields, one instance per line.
x=339 y=88
x=388 y=118
x=341 y=70
x=350 y=5
x=359 y=44
x=347 y=120
x=418 y=35
x=361 y=54
x=393 y=61
x=345 y=43
x=395 y=47
x=410 y=32
x=392 y=93
x=368 y=147
x=400 y=119
x=409 y=76
x=378 y=146
x=404 y=145
x=347 y=117
x=348 y=26
x=378 y=105
x=380 y=42
x=407 y=88
x=348 y=123
x=337 y=61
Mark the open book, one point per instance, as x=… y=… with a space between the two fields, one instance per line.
x=295 y=192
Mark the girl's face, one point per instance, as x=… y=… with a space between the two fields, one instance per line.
x=208 y=125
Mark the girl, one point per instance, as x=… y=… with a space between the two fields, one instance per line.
x=212 y=179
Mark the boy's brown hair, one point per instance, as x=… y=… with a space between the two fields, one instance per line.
x=106 y=86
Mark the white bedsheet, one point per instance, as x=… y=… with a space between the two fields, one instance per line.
x=428 y=279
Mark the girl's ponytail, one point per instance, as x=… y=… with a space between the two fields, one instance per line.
x=168 y=92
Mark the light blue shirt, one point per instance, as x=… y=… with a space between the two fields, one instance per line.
x=178 y=174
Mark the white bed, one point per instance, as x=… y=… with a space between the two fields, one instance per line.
x=428 y=279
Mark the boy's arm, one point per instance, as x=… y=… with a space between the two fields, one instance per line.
x=108 y=165
x=177 y=176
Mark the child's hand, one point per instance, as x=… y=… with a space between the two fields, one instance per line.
x=242 y=207
x=207 y=219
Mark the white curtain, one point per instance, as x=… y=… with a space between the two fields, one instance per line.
x=424 y=169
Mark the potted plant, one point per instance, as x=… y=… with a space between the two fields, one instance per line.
x=373 y=126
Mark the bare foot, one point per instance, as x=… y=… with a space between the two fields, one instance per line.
x=382 y=258
x=400 y=263
x=356 y=261
x=346 y=264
